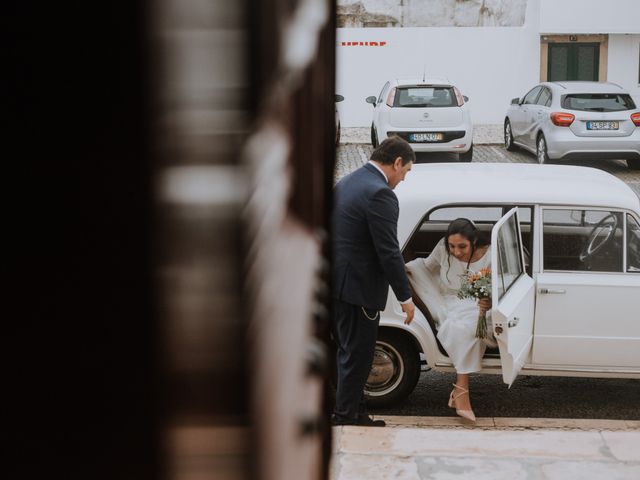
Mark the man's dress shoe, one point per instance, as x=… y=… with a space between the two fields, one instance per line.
x=362 y=421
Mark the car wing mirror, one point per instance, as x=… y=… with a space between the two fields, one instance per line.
x=465 y=98
x=515 y=101
x=371 y=100
x=339 y=98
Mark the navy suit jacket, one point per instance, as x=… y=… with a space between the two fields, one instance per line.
x=367 y=256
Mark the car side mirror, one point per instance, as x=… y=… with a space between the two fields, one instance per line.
x=515 y=101
x=339 y=98
x=371 y=100
x=465 y=98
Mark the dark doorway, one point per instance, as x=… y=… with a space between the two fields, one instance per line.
x=573 y=61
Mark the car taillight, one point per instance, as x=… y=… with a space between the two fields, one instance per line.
x=562 y=119
x=391 y=96
x=635 y=118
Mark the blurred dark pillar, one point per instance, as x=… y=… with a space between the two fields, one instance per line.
x=200 y=123
x=79 y=334
x=167 y=186
x=290 y=161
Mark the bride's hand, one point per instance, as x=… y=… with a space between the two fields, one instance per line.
x=484 y=304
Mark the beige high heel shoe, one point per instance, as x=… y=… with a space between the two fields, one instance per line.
x=468 y=414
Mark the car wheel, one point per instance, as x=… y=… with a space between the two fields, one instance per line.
x=374 y=137
x=467 y=156
x=508 y=136
x=338 y=135
x=633 y=164
x=395 y=370
x=541 y=150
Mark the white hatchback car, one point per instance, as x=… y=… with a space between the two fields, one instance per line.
x=431 y=114
x=565 y=255
x=575 y=120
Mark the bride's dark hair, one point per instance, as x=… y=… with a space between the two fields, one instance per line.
x=467 y=229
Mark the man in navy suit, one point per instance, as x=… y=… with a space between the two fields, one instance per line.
x=367 y=259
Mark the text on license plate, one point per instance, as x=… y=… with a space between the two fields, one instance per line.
x=602 y=125
x=425 y=137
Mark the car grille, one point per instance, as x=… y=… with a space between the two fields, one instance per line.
x=446 y=136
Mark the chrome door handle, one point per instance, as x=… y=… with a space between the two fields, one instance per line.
x=513 y=323
x=552 y=290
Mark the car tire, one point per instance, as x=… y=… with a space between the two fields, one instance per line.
x=374 y=137
x=633 y=164
x=541 y=150
x=508 y=136
x=396 y=368
x=467 y=156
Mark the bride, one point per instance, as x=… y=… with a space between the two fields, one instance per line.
x=462 y=248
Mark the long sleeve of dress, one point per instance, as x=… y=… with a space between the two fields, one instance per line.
x=434 y=261
x=424 y=278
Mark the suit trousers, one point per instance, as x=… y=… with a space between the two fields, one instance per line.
x=356 y=331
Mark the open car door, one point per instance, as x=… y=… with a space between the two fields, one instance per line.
x=512 y=296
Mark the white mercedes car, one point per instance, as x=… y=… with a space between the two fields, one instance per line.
x=575 y=120
x=431 y=114
x=565 y=256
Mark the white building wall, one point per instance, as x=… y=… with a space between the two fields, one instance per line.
x=589 y=16
x=623 y=61
x=491 y=65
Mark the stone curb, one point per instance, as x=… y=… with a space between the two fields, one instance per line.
x=506 y=423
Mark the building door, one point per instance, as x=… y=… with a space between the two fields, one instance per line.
x=573 y=61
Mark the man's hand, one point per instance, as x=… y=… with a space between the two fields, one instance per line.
x=409 y=309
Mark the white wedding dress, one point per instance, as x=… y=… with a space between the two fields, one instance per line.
x=436 y=280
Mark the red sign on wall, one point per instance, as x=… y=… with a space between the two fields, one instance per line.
x=363 y=44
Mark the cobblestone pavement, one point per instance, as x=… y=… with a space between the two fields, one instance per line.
x=352 y=155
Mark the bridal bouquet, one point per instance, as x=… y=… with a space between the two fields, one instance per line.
x=477 y=285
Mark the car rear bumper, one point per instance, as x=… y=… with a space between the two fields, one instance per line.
x=564 y=145
x=456 y=140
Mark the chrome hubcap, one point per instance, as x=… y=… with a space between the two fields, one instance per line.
x=386 y=372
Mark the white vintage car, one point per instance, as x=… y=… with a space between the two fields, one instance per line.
x=565 y=255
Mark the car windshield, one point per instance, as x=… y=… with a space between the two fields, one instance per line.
x=598 y=102
x=425 y=97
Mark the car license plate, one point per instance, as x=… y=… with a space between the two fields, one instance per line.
x=425 y=137
x=602 y=125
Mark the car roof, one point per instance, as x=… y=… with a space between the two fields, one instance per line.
x=429 y=185
x=587 y=87
x=407 y=82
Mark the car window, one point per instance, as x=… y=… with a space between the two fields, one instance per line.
x=633 y=245
x=434 y=226
x=530 y=97
x=582 y=240
x=382 y=93
x=425 y=97
x=598 y=102
x=509 y=266
x=545 y=98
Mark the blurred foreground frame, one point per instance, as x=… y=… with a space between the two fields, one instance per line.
x=168 y=298
x=243 y=136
